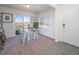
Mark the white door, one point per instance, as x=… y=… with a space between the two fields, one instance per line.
x=71 y=30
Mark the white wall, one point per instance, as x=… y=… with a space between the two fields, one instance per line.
x=49 y=31
x=10 y=27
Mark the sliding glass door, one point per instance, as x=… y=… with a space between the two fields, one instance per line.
x=21 y=24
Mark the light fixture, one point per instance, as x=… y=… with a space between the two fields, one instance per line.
x=27 y=5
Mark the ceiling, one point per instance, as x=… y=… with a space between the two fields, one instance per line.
x=35 y=8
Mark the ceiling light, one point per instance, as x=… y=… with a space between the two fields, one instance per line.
x=27 y=6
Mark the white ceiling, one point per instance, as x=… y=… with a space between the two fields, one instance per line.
x=33 y=7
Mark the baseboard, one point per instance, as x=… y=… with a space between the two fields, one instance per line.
x=46 y=36
x=56 y=40
x=12 y=37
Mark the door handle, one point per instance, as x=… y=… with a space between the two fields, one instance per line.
x=64 y=26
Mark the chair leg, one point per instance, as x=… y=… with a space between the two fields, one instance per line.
x=23 y=39
x=34 y=35
x=28 y=36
